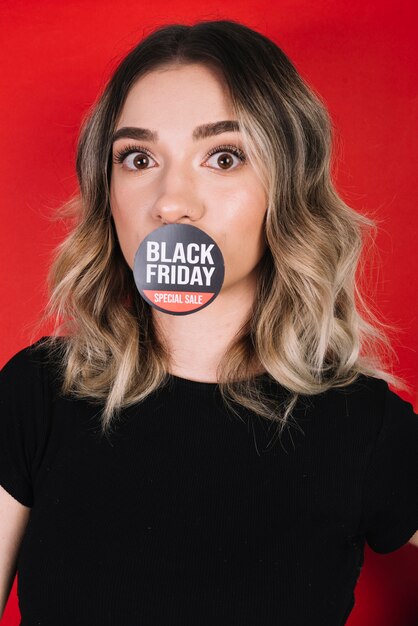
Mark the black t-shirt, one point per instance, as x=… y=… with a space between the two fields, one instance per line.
x=185 y=515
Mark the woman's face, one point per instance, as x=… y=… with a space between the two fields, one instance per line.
x=171 y=178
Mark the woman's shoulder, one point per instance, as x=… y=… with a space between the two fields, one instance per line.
x=375 y=403
x=32 y=363
x=367 y=401
x=363 y=387
x=26 y=398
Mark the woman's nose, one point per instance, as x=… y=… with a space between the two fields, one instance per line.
x=171 y=211
x=177 y=201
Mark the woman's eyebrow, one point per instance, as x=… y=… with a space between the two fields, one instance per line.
x=200 y=132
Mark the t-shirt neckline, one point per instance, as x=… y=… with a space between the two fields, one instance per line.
x=187 y=383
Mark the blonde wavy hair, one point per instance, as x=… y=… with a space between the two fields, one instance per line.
x=310 y=328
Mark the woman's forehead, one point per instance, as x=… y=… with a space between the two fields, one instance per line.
x=176 y=93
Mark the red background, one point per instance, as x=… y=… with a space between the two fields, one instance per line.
x=360 y=56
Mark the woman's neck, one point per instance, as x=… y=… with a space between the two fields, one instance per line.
x=198 y=341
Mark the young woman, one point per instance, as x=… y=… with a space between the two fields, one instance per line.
x=226 y=465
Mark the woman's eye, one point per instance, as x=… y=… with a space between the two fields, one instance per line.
x=133 y=158
x=225 y=158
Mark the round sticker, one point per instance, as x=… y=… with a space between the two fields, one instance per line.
x=178 y=269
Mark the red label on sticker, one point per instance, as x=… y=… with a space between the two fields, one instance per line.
x=178 y=300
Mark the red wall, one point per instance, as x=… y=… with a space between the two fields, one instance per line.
x=360 y=56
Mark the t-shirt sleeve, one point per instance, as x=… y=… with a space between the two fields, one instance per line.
x=21 y=401
x=390 y=497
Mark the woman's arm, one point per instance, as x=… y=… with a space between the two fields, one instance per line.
x=14 y=517
x=414 y=539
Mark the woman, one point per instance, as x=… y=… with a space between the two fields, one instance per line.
x=140 y=480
